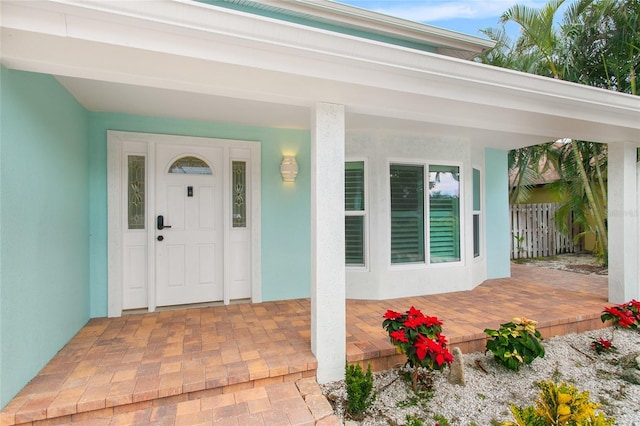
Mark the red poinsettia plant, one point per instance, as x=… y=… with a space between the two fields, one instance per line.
x=419 y=337
x=602 y=345
x=625 y=315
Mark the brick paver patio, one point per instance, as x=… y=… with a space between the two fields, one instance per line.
x=252 y=364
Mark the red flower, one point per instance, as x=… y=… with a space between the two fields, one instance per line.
x=412 y=322
x=605 y=343
x=441 y=339
x=413 y=312
x=399 y=336
x=613 y=310
x=392 y=315
x=626 y=319
x=422 y=344
x=431 y=321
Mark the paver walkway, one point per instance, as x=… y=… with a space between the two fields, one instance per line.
x=252 y=363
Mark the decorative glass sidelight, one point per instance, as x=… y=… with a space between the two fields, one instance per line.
x=239 y=194
x=136 y=191
x=190 y=166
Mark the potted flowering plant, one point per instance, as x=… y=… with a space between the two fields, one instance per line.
x=420 y=338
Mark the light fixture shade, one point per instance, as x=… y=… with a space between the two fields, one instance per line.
x=289 y=168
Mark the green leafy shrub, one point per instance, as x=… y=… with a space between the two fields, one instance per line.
x=515 y=343
x=359 y=387
x=559 y=405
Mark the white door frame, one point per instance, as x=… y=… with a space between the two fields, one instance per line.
x=144 y=144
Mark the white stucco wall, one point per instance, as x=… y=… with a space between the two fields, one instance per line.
x=379 y=279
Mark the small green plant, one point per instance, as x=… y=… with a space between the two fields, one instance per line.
x=413 y=420
x=515 y=343
x=442 y=420
x=359 y=386
x=519 y=247
x=556 y=376
x=559 y=405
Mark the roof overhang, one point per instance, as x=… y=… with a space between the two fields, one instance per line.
x=446 y=42
x=190 y=60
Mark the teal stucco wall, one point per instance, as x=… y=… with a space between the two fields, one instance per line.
x=497 y=212
x=286 y=263
x=44 y=224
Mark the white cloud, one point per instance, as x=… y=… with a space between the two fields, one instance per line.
x=441 y=10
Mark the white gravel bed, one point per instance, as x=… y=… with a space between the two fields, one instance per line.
x=486 y=397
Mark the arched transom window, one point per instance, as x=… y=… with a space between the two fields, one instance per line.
x=190 y=165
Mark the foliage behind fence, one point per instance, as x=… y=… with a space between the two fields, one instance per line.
x=534 y=231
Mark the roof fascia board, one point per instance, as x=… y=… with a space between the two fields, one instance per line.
x=262 y=43
x=403 y=27
x=388 y=25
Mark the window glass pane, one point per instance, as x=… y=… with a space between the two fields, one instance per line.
x=354 y=186
x=239 y=194
x=190 y=166
x=444 y=214
x=136 y=191
x=476 y=189
x=476 y=235
x=407 y=214
x=354 y=240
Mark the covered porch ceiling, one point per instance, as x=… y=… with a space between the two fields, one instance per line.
x=194 y=61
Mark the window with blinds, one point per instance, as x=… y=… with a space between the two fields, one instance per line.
x=355 y=213
x=444 y=214
x=407 y=213
x=476 y=213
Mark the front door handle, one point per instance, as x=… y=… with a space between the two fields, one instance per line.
x=160 y=223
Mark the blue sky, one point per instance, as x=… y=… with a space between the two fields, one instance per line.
x=465 y=16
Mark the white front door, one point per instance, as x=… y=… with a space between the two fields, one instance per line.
x=207 y=248
x=189 y=234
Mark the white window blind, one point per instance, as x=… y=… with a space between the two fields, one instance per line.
x=407 y=214
x=355 y=213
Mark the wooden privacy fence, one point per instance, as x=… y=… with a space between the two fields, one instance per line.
x=534 y=231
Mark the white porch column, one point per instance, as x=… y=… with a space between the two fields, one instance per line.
x=623 y=221
x=328 y=311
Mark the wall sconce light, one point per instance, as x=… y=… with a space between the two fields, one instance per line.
x=289 y=168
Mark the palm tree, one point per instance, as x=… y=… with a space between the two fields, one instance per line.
x=582 y=166
x=598 y=44
x=605 y=41
x=527 y=166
